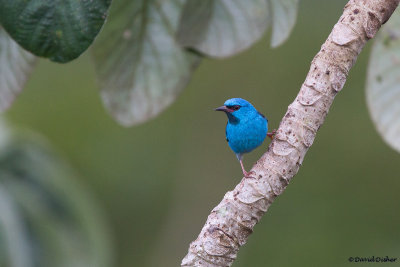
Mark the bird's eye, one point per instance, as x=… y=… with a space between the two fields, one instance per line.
x=235 y=107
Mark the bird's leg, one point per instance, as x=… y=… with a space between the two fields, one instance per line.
x=245 y=173
x=272 y=134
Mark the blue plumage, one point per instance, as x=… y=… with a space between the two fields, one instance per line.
x=246 y=128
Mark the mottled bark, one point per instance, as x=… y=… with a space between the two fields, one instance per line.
x=231 y=222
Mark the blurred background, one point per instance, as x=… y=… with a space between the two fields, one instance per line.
x=157 y=182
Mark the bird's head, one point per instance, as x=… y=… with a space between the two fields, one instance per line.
x=238 y=109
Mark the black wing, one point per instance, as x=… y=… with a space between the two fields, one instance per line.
x=262 y=116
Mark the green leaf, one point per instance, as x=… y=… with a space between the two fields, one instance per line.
x=59 y=29
x=284 y=13
x=15 y=66
x=46 y=218
x=140 y=66
x=222 y=28
x=383 y=82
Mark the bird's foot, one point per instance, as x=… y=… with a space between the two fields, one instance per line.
x=272 y=134
x=245 y=173
x=249 y=174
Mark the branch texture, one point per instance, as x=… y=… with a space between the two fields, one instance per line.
x=231 y=222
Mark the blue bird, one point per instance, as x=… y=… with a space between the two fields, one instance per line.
x=246 y=128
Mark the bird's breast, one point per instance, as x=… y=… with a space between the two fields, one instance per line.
x=246 y=135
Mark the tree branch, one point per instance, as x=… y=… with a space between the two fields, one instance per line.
x=231 y=222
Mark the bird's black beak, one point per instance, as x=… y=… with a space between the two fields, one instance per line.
x=222 y=108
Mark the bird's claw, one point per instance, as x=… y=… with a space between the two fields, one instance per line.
x=248 y=174
x=272 y=134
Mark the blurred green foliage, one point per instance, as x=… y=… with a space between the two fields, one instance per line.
x=140 y=66
x=383 y=82
x=46 y=219
x=159 y=181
